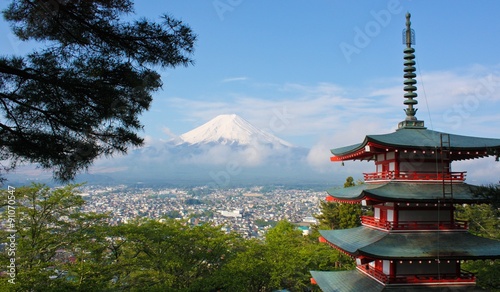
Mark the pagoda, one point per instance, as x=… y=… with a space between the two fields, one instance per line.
x=412 y=241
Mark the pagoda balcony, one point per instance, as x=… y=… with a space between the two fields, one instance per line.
x=463 y=277
x=414 y=225
x=415 y=176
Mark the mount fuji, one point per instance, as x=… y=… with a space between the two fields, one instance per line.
x=232 y=140
x=227 y=150
x=231 y=130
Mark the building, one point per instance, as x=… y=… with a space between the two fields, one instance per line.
x=412 y=242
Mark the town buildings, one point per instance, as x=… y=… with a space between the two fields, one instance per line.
x=247 y=211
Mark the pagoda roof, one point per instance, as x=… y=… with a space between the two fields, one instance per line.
x=412 y=245
x=352 y=239
x=354 y=280
x=419 y=139
x=345 y=281
x=405 y=192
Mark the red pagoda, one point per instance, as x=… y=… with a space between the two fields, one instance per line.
x=412 y=242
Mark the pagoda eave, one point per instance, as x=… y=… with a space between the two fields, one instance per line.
x=346 y=281
x=347 y=253
x=417 y=192
x=365 y=151
x=454 y=154
x=360 y=237
x=425 y=245
x=359 y=280
x=330 y=198
x=418 y=141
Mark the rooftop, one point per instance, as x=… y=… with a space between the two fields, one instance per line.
x=394 y=191
x=355 y=280
x=421 y=141
x=426 y=245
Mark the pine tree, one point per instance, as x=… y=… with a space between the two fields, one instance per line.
x=336 y=215
x=79 y=95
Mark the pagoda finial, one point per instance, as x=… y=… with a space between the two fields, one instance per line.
x=409 y=75
x=409 y=34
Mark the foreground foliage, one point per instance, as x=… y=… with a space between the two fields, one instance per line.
x=60 y=248
x=334 y=215
x=484 y=221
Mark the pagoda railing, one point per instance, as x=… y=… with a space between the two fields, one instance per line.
x=375 y=273
x=414 y=225
x=463 y=277
x=415 y=175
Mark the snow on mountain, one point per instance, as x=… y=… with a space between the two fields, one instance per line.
x=231 y=130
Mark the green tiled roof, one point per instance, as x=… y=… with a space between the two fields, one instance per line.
x=415 y=245
x=431 y=245
x=405 y=192
x=421 y=139
x=352 y=239
x=355 y=281
x=345 y=281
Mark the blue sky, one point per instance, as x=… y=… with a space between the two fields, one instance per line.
x=323 y=74
x=260 y=59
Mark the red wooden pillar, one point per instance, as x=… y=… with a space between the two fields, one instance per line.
x=396 y=215
x=392 y=270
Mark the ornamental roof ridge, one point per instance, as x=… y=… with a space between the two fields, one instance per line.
x=411 y=121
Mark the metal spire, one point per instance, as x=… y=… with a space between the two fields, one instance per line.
x=409 y=82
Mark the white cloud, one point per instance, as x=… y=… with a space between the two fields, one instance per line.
x=232 y=79
x=319 y=155
x=251 y=156
x=169 y=133
x=479 y=171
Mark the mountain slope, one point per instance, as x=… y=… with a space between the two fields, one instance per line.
x=231 y=130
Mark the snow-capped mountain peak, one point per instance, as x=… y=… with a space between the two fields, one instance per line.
x=231 y=129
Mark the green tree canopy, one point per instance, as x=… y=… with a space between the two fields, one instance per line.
x=334 y=215
x=283 y=261
x=80 y=95
x=491 y=193
x=349 y=182
x=55 y=241
x=483 y=221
